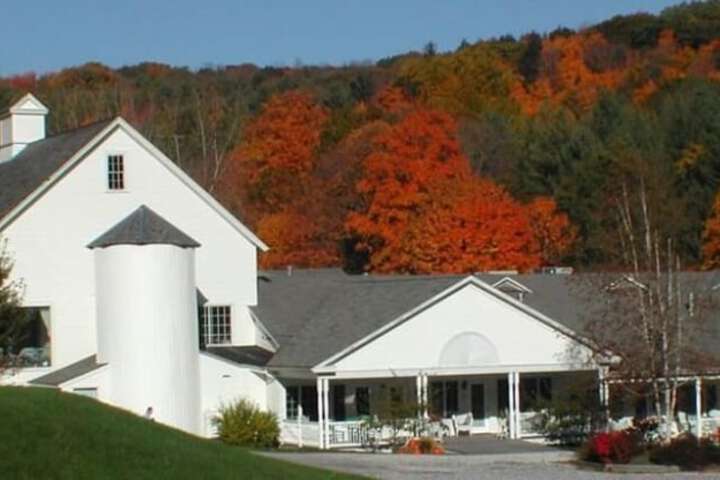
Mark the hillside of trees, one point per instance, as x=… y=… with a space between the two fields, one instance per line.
x=507 y=153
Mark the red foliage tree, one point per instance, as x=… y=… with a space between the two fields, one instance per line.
x=407 y=164
x=295 y=239
x=473 y=225
x=269 y=170
x=552 y=229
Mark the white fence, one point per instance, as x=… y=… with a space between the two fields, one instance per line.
x=302 y=434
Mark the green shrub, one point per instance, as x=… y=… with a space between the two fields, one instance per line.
x=243 y=423
x=569 y=421
x=686 y=452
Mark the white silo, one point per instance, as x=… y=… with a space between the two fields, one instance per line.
x=147 y=322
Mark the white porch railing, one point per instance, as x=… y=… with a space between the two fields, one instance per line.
x=341 y=434
x=529 y=423
x=348 y=434
x=300 y=433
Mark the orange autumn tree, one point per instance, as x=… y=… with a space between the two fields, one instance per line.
x=667 y=62
x=295 y=238
x=551 y=228
x=409 y=161
x=474 y=225
x=270 y=168
x=392 y=99
x=711 y=238
x=575 y=69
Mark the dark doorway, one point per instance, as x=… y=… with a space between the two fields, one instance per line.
x=338 y=392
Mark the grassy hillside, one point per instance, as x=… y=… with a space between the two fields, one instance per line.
x=48 y=434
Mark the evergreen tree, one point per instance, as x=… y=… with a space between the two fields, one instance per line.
x=12 y=318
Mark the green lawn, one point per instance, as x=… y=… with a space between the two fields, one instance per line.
x=48 y=434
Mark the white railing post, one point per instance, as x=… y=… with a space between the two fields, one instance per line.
x=511 y=405
x=321 y=414
x=698 y=407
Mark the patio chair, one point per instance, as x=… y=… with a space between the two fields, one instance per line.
x=30 y=355
x=448 y=425
x=463 y=423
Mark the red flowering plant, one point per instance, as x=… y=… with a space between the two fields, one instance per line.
x=612 y=447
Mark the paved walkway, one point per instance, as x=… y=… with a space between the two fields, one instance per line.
x=491 y=445
x=461 y=467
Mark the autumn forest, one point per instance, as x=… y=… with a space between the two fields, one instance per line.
x=506 y=153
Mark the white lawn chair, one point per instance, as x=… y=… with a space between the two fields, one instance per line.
x=463 y=423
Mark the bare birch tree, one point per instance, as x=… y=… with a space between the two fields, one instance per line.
x=218 y=123
x=651 y=314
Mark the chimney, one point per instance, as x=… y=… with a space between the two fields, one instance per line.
x=22 y=124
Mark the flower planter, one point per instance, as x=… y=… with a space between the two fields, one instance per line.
x=422 y=446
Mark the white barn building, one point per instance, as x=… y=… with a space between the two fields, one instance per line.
x=146 y=295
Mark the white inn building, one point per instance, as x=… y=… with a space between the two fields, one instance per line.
x=145 y=293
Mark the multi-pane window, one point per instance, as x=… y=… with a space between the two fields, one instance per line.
x=215 y=325
x=116 y=172
x=292 y=402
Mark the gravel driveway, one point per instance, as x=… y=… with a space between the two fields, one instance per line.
x=460 y=467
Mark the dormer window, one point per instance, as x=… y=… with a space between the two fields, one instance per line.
x=116 y=172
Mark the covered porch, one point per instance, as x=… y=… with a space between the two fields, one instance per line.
x=697 y=406
x=470 y=360
x=345 y=411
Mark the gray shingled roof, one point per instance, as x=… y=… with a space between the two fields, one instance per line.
x=74 y=370
x=144 y=227
x=315 y=314
x=38 y=161
x=247 y=355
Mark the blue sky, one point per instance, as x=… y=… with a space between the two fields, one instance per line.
x=46 y=35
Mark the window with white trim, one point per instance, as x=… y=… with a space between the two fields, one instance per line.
x=116 y=172
x=292 y=401
x=215 y=325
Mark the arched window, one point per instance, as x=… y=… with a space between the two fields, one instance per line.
x=468 y=349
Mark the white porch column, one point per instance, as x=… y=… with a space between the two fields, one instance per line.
x=518 y=425
x=418 y=394
x=511 y=404
x=326 y=409
x=425 y=395
x=698 y=407
x=321 y=413
x=299 y=423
